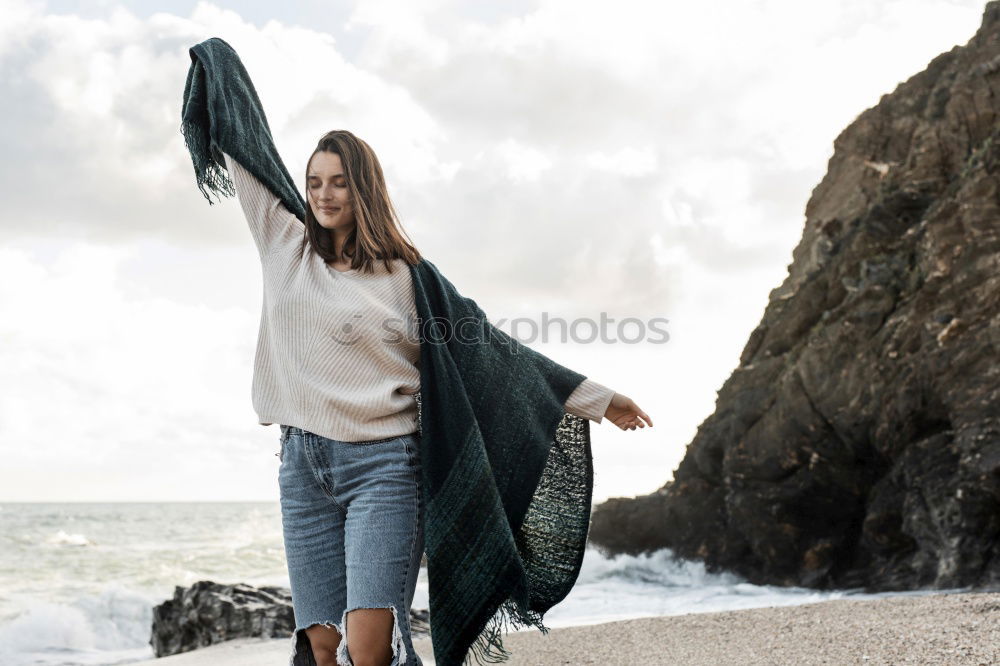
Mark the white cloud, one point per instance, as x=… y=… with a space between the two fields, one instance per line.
x=97 y=382
x=524 y=163
x=626 y=161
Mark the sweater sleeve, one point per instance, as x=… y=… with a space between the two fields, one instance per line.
x=265 y=213
x=589 y=400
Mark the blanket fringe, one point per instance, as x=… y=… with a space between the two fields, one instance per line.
x=210 y=175
x=488 y=647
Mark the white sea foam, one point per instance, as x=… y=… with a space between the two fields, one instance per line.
x=61 y=538
x=109 y=628
x=630 y=586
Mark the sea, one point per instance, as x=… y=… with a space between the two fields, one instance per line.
x=78 y=581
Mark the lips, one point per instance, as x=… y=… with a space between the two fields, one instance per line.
x=329 y=210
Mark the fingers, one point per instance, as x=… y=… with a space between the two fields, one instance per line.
x=628 y=422
x=635 y=418
x=640 y=413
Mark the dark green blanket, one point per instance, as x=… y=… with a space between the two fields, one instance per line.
x=507 y=473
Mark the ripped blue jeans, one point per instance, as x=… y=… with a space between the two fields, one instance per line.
x=352 y=520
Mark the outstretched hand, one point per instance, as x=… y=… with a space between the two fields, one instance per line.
x=625 y=414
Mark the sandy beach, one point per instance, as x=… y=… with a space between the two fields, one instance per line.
x=961 y=628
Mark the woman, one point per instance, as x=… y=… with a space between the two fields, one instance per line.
x=337 y=366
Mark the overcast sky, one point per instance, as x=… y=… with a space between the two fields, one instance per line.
x=638 y=159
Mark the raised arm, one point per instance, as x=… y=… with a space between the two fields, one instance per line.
x=265 y=213
x=589 y=400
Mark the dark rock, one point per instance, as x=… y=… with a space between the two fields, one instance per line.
x=857 y=444
x=207 y=613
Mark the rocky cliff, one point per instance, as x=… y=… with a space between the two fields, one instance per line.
x=858 y=441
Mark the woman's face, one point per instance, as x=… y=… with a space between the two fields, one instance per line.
x=328 y=194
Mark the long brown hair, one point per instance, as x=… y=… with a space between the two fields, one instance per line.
x=377 y=233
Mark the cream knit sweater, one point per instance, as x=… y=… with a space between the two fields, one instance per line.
x=338 y=352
